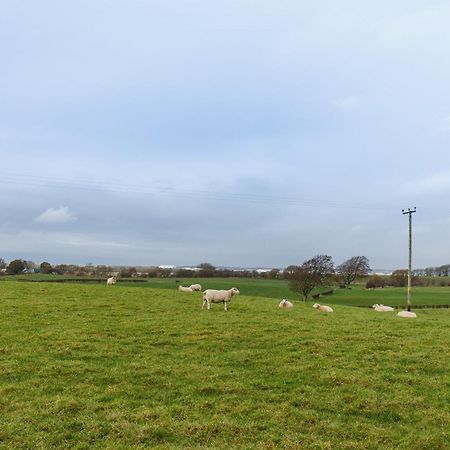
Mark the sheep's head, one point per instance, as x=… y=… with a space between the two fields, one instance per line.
x=234 y=291
x=316 y=306
x=374 y=306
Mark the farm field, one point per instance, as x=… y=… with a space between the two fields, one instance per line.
x=91 y=366
x=357 y=296
x=278 y=289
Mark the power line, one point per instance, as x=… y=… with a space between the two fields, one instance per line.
x=124 y=188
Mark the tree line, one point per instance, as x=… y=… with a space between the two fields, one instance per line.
x=302 y=279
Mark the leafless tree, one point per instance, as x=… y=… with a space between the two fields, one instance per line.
x=206 y=270
x=314 y=272
x=354 y=267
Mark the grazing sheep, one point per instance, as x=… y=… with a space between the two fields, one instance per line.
x=323 y=308
x=408 y=314
x=196 y=287
x=184 y=289
x=382 y=308
x=214 y=296
x=285 y=304
x=110 y=281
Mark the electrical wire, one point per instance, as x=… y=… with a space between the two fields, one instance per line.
x=125 y=188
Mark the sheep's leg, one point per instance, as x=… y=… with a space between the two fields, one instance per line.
x=204 y=303
x=225 y=305
x=209 y=305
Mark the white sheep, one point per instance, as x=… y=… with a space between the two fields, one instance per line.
x=408 y=314
x=184 y=289
x=285 y=304
x=110 y=281
x=214 y=296
x=196 y=287
x=323 y=308
x=382 y=308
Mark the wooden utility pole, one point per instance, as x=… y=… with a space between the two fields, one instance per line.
x=410 y=213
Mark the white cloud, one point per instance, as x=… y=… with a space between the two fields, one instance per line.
x=345 y=104
x=56 y=216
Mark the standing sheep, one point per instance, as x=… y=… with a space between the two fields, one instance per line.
x=196 y=287
x=111 y=281
x=184 y=289
x=285 y=304
x=214 y=296
x=323 y=308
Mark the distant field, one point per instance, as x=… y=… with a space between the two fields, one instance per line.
x=91 y=366
x=278 y=289
x=357 y=296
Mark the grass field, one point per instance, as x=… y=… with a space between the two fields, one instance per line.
x=357 y=296
x=87 y=366
x=278 y=289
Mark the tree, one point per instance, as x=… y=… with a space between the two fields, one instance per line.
x=2 y=263
x=273 y=274
x=206 y=270
x=46 y=267
x=16 y=266
x=313 y=272
x=399 y=278
x=354 y=267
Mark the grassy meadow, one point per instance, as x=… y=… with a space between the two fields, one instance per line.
x=89 y=366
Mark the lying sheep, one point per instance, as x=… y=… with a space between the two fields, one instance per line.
x=110 y=281
x=323 y=308
x=196 y=287
x=214 y=296
x=285 y=304
x=184 y=289
x=382 y=308
x=408 y=314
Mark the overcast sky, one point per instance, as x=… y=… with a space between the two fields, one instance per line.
x=239 y=132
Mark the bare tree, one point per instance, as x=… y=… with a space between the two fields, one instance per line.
x=206 y=270
x=354 y=267
x=314 y=272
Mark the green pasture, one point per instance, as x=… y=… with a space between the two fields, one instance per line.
x=278 y=289
x=89 y=366
x=357 y=296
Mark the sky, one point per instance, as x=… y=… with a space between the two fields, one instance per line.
x=241 y=133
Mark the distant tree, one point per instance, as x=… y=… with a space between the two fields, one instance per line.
x=46 y=267
x=375 y=281
x=399 y=278
x=128 y=272
x=206 y=270
x=354 y=267
x=274 y=273
x=184 y=273
x=30 y=265
x=3 y=264
x=443 y=271
x=102 y=270
x=314 y=272
x=16 y=266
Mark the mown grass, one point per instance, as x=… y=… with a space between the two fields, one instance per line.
x=87 y=366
